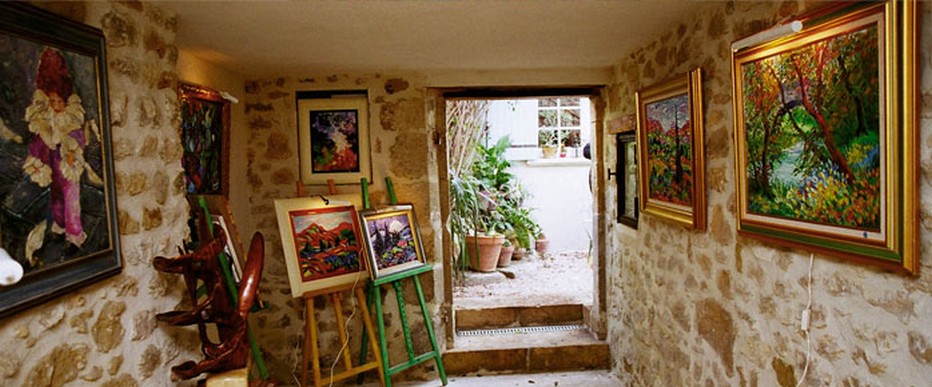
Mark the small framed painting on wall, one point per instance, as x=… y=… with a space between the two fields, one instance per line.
x=333 y=136
x=205 y=140
x=671 y=161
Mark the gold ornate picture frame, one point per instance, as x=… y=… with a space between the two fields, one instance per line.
x=671 y=162
x=826 y=135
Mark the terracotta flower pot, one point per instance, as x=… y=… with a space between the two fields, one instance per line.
x=504 y=259
x=540 y=245
x=519 y=254
x=490 y=247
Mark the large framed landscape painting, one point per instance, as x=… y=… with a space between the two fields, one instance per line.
x=322 y=244
x=57 y=204
x=826 y=138
x=671 y=148
x=393 y=240
x=333 y=137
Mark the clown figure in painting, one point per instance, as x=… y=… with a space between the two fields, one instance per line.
x=56 y=151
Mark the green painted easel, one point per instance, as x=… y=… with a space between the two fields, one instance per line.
x=232 y=289
x=375 y=295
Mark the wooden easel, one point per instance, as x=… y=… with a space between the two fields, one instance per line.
x=375 y=295
x=335 y=295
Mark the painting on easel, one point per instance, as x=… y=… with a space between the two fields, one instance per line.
x=321 y=243
x=392 y=239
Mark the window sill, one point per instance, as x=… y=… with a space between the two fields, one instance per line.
x=559 y=162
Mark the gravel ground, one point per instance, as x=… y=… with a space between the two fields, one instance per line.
x=560 y=278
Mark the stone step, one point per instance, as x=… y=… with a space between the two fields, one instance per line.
x=574 y=349
x=518 y=316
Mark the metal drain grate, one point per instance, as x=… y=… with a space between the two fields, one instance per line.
x=520 y=330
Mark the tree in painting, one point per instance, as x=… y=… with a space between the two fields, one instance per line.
x=812 y=129
x=669 y=147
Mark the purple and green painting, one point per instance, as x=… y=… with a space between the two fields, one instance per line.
x=334 y=141
x=669 y=150
x=812 y=118
x=392 y=240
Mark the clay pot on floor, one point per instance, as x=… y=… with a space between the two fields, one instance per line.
x=520 y=253
x=504 y=259
x=541 y=244
x=490 y=247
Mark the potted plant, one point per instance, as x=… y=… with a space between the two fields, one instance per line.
x=549 y=141
x=508 y=249
x=541 y=244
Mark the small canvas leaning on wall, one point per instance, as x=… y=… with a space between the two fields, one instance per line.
x=826 y=135
x=58 y=218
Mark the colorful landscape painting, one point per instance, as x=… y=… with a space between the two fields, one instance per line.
x=812 y=118
x=326 y=242
x=669 y=150
x=334 y=141
x=391 y=240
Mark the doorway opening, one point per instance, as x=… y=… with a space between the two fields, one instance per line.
x=534 y=151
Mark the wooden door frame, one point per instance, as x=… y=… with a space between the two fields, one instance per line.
x=596 y=319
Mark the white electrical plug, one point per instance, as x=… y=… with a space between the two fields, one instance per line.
x=804 y=320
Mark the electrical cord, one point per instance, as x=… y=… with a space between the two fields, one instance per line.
x=345 y=330
x=805 y=324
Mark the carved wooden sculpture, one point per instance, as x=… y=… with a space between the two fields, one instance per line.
x=216 y=306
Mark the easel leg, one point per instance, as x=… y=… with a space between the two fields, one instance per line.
x=369 y=334
x=402 y=312
x=310 y=341
x=383 y=347
x=430 y=331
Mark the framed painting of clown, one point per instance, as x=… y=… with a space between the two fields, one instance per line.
x=57 y=206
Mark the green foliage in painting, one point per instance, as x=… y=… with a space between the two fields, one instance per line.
x=669 y=149
x=812 y=128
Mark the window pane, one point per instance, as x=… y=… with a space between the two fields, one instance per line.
x=569 y=101
x=547 y=102
x=569 y=117
x=572 y=138
x=546 y=118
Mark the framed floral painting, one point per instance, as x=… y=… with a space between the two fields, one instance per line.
x=671 y=162
x=322 y=243
x=333 y=136
x=57 y=205
x=205 y=140
x=826 y=135
x=393 y=240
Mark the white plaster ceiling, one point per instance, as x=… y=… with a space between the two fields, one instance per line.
x=278 y=37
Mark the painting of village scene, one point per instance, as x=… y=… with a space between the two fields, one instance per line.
x=334 y=141
x=813 y=148
x=392 y=240
x=669 y=149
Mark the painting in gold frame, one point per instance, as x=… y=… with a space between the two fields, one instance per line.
x=825 y=135
x=671 y=150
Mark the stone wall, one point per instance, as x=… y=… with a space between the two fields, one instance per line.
x=713 y=308
x=106 y=334
x=401 y=148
